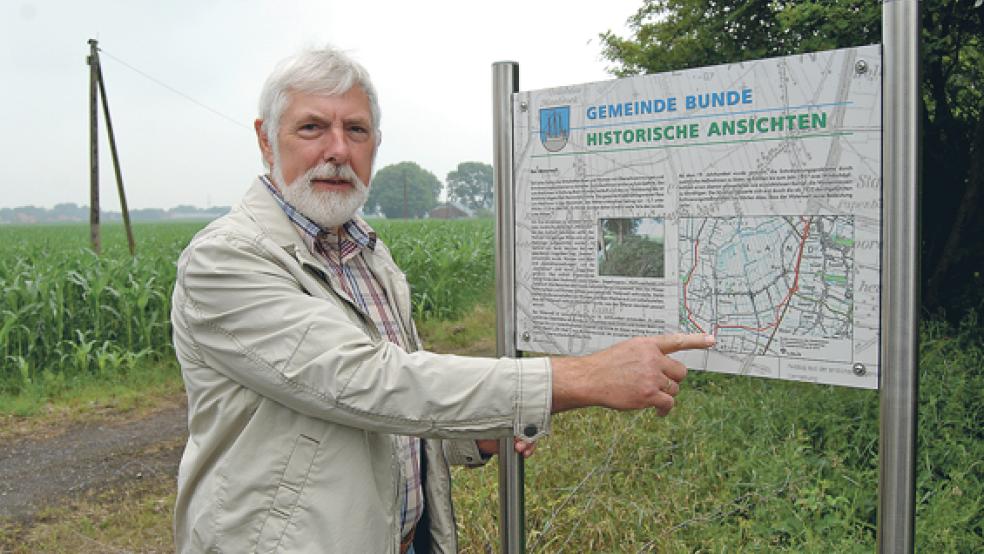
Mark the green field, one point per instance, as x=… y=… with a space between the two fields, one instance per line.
x=741 y=465
x=69 y=314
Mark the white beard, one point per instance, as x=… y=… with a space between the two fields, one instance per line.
x=327 y=208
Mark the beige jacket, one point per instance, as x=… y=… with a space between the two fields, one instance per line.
x=294 y=398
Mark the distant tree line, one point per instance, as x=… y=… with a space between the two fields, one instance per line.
x=70 y=212
x=401 y=190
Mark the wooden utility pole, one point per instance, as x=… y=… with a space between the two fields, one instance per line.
x=116 y=161
x=96 y=76
x=93 y=60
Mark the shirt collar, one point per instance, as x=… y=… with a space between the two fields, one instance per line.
x=357 y=230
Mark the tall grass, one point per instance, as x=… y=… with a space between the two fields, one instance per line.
x=751 y=465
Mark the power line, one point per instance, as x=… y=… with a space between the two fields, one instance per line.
x=175 y=91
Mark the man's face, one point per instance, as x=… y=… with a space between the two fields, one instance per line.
x=318 y=132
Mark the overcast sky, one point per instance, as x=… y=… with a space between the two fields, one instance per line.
x=431 y=62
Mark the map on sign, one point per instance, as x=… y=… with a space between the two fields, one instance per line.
x=742 y=201
x=751 y=279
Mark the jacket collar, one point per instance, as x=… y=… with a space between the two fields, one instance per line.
x=262 y=208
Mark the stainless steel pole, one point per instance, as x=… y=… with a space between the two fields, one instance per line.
x=505 y=81
x=900 y=278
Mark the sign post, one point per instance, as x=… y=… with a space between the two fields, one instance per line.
x=900 y=282
x=505 y=81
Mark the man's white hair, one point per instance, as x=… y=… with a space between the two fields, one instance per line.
x=326 y=71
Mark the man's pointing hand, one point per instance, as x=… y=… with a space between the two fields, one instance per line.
x=633 y=374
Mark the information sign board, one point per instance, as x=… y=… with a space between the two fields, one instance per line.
x=740 y=200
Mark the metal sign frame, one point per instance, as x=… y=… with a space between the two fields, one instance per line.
x=898 y=391
x=505 y=81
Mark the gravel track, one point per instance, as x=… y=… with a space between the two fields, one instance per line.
x=36 y=472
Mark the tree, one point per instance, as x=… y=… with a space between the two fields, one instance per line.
x=678 y=34
x=626 y=253
x=471 y=185
x=403 y=190
x=619 y=228
x=953 y=153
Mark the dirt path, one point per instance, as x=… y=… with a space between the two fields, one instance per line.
x=36 y=472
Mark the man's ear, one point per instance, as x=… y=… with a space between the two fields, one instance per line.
x=261 y=138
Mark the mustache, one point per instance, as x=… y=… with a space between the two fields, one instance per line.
x=328 y=170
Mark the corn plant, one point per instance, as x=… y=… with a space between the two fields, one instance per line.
x=65 y=311
x=449 y=264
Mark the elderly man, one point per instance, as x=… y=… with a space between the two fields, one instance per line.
x=317 y=423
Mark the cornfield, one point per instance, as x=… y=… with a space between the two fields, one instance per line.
x=66 y=312
x=450 y=264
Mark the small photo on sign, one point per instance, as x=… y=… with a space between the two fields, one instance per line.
x=631 y=247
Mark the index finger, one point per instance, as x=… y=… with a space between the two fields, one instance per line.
x=669 y=344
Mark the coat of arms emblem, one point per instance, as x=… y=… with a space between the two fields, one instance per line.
x=555 y=127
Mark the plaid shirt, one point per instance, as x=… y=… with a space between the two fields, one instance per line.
x=341 y=252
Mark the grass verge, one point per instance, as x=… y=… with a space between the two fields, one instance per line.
x=473 y=334
x=132 y=517
x=44 y=409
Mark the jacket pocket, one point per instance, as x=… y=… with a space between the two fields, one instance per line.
x=288 y=493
